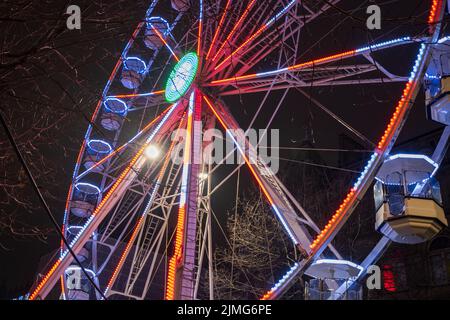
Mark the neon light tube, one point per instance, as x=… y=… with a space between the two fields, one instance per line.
x=165 y=43
x=258 y=32
x=319 y=61
x=136 y=95
x=233 y=31
x=219 y=27
x=179 y=233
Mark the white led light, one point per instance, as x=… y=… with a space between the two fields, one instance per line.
x=152 y=152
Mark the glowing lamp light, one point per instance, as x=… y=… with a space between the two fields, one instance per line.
x=152 y=152
x=203 y=176
x=181 y=77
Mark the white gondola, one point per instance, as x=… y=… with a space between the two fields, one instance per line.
x=83 y=255
x=133 y=72
x=111 y=121
x=114 y=112
x=437 y=83
x=157 y=27
x=181 y=5
x=327 y=273
x=81 y=209
x=96 y=150
x=408 y=199
x=84 y=200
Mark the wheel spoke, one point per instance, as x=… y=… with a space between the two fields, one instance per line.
x=315 y=62
x=212 y=46
x=266 y=26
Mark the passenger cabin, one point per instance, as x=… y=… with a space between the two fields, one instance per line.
x=408 y=199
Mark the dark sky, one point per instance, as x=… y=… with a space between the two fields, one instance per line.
x=86 y=57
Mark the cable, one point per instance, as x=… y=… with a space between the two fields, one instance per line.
x=44 y=203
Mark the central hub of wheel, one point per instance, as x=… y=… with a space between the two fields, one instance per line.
x=181 y=77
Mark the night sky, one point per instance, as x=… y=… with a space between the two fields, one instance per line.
x=58 y=88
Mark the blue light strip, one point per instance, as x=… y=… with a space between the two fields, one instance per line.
x=417 y=63
x=125 y=106
x=90 y=185
x=364 y=173
x=279 y=14
x=432 y=76
x=343 y=262
x=283 y=280
x=165 y=33
x=383 y=44
x=105 y=91
x=141 y=71
x=444 y=39
x=159 y=20
x=377 y=46
x=416 y=156
x=108 y=146
x=123 y=146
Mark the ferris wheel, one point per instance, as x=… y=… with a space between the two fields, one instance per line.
x=137 y=219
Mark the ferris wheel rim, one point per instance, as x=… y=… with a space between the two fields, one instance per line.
x=360 y=183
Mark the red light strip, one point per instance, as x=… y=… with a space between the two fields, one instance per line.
x=252 y=37
x=235 y=27
x=435 y=5
x=179 y=235
x=335 y=219
x=125 y=253
x=299 y=66
x=62 y=287
x=44 y=279
x=134 y=95
x=266 y=26
x=219 y=27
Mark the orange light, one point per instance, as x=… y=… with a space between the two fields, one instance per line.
x=233 y=31
x=291 y=68
x=219 y=27
x=433 y=12
x=133 y=95
x=257 y=33
x=179 y=233
x=165 y=42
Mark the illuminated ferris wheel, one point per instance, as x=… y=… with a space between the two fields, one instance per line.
x=137 y=219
